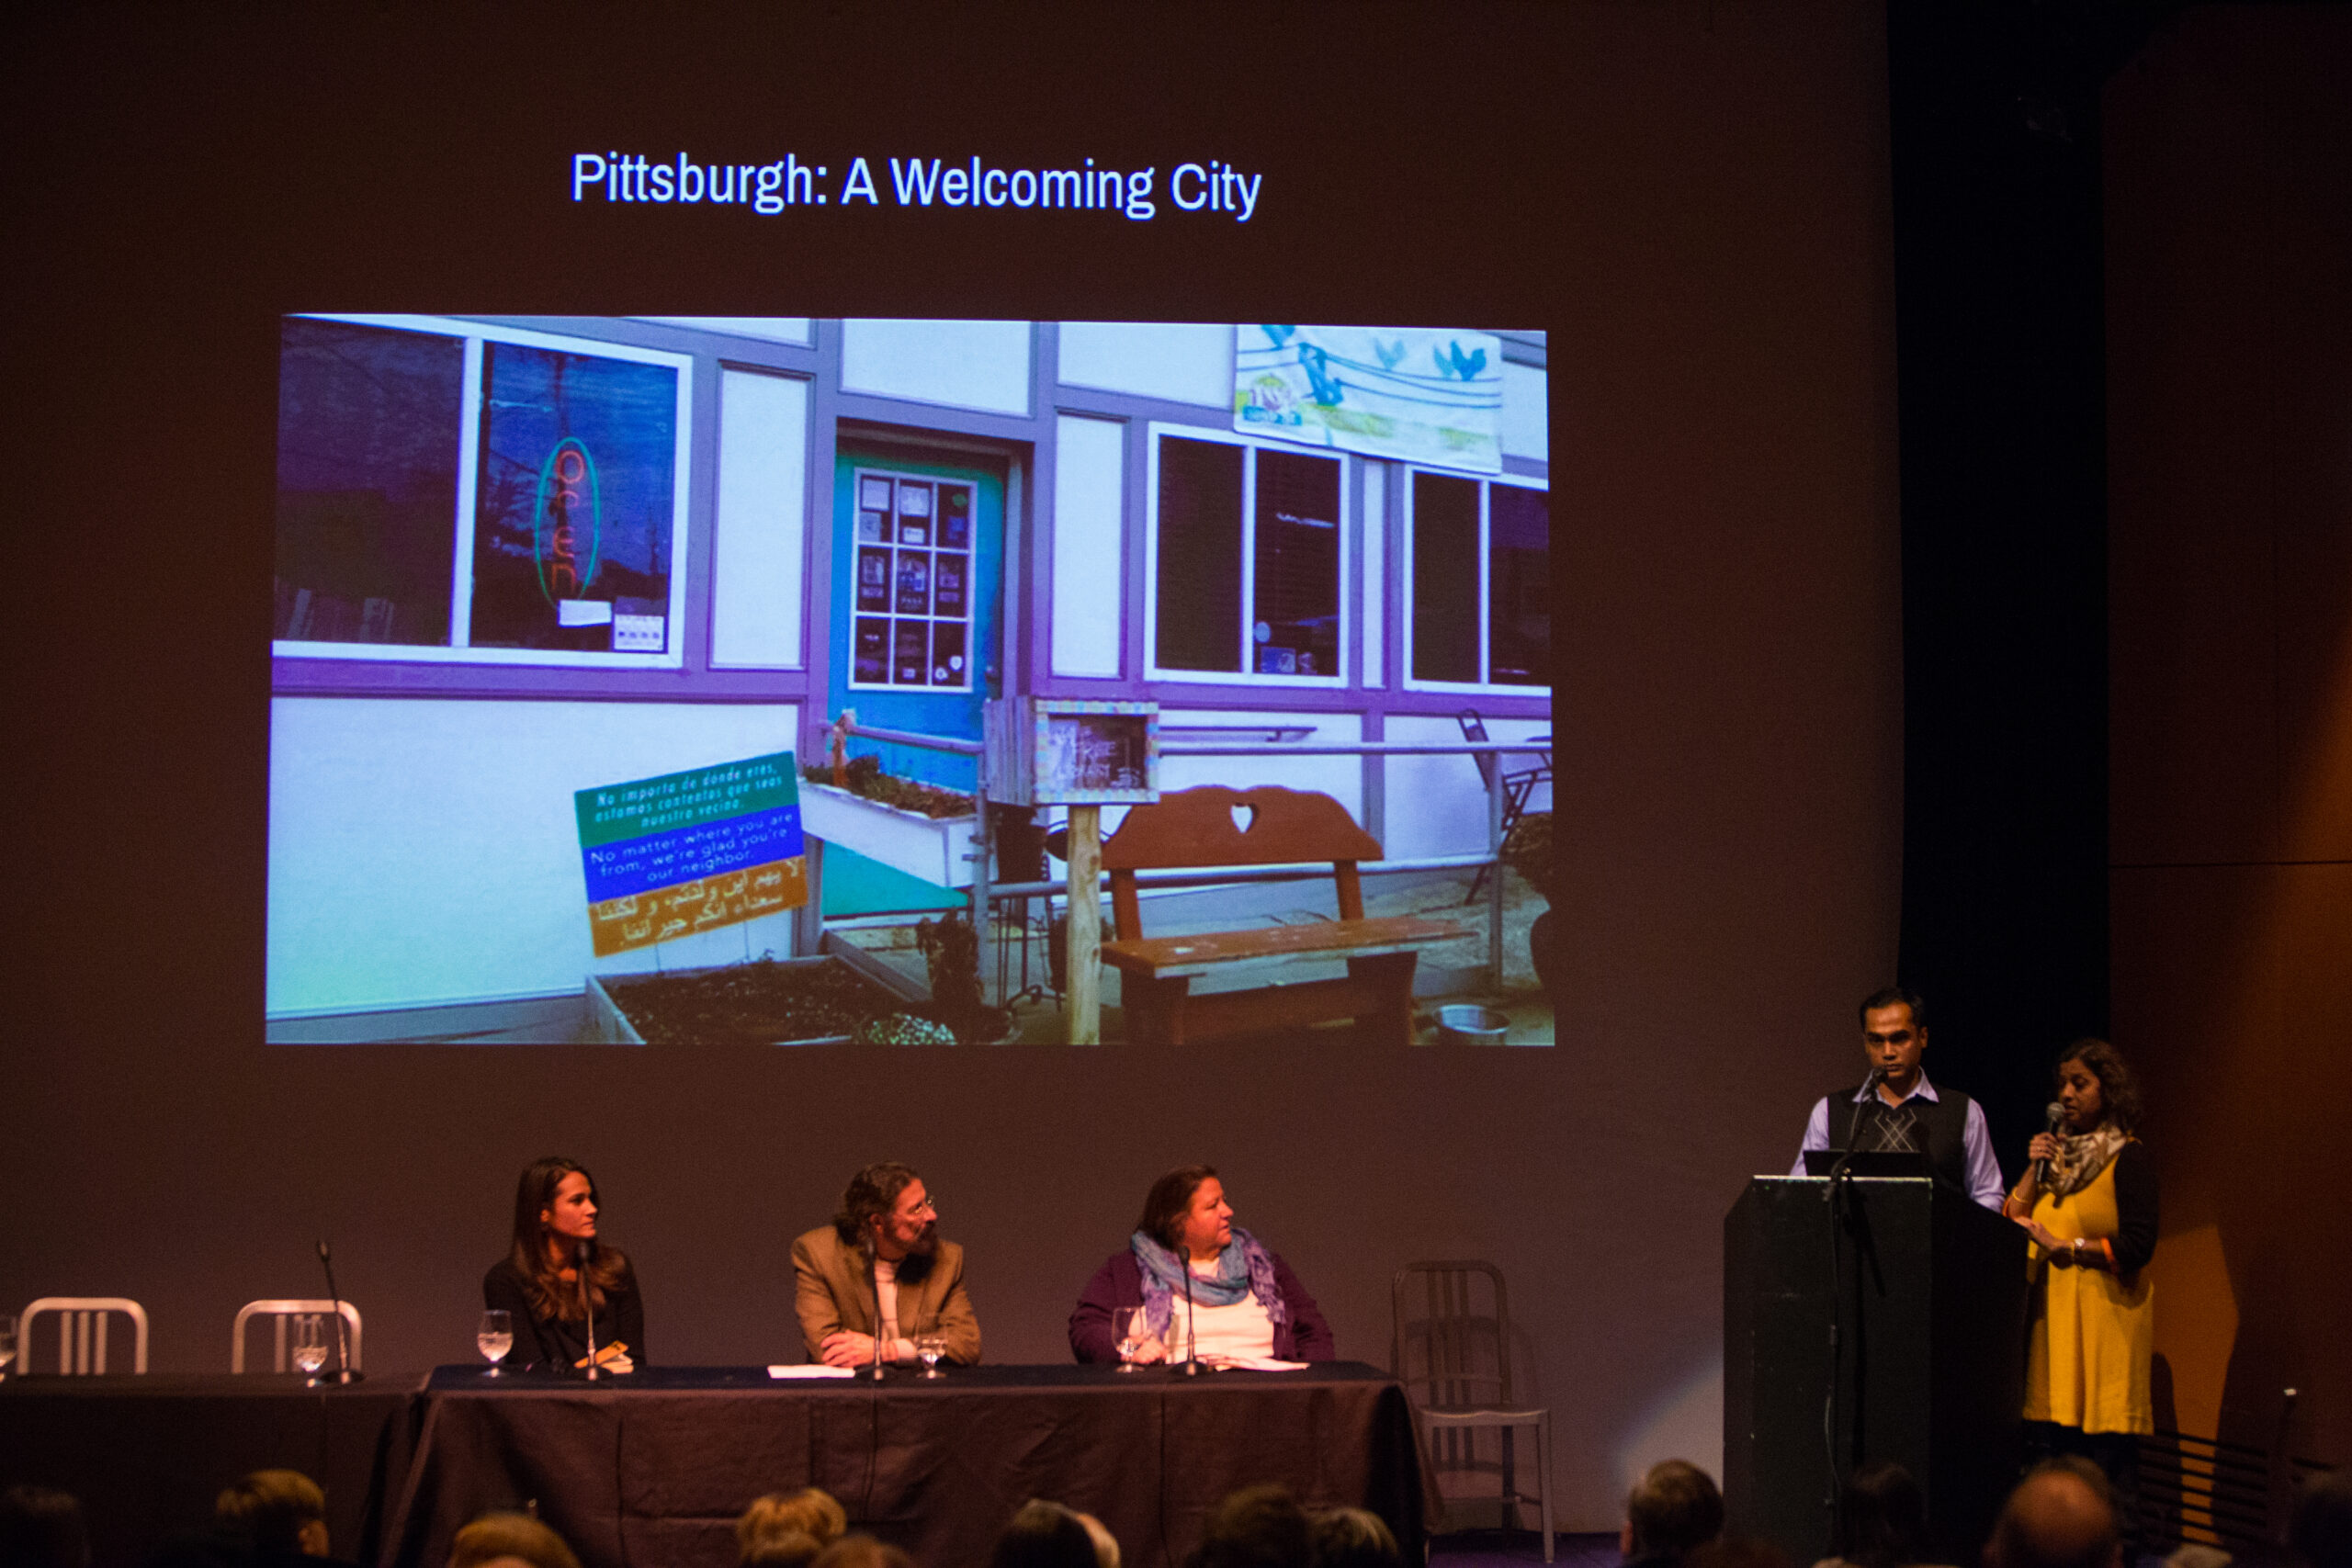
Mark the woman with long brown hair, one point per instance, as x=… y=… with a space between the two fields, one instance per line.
x=557 y=1274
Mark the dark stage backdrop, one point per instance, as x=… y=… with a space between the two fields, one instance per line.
x=1691 y=199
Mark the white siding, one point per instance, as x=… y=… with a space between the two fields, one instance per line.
x=1436 y=805
x=972 y=364
x=1338 y=777
x=1375 y=523
x=1184 y=364
x=1527 y=412
x=426 y=851
x=762 y=498
x=1089 y=579
x=774 y=329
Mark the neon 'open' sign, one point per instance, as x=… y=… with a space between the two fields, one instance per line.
x=566 y=522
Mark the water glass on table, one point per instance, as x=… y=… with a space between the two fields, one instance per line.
x=931 y=1346
x=311 y=1345
x=1132 y=1330
x=494 y=1336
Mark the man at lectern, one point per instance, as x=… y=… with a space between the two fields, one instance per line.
x=1895 y=1110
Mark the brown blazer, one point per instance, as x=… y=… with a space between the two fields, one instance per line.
x=834 y=1289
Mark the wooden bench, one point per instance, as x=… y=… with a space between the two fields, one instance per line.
x=1214 y=826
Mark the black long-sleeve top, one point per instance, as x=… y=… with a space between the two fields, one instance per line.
x=2135 y=1208
x=557 y=1343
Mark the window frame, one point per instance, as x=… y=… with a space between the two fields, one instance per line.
x=1484 y=686
x=1339 y=680
x=860 y=471
x=459 y=650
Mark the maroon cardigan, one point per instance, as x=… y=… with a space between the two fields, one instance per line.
x=1119 y=1284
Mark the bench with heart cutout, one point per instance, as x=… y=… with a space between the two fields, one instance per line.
x=1214 y=826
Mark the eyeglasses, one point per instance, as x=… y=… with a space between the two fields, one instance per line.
x=928 y=1206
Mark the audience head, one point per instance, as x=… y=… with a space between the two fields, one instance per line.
x=42 y=1527
x=282 y=1511
x=1354 y=1538
x=2061 y=1516
x=1882 y=1517
x=1672 y=1508
x=1170 y=1197
x=1258 y=1527
x=767 y=1531
x=509 y=1539
x=1043 y=1535
x=1106 y=1545
x=2320 y=1528
x=862 y=1550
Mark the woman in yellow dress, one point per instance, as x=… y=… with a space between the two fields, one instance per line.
x=2088 y=1199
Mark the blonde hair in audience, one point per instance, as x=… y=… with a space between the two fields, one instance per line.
x=494 y=1536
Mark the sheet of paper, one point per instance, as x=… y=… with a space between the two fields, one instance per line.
x=1255 y=1363
x=812 y=1369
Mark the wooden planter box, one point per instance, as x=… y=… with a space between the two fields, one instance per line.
x=609 y=1025
x=936 y=850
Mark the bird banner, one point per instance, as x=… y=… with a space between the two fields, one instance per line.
x=1430 y=395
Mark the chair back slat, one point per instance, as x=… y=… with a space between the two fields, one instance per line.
x=83 y=1326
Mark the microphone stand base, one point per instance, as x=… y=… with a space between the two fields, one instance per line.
x=341 y=1377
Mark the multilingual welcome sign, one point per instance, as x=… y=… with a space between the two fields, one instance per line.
x=671 y=855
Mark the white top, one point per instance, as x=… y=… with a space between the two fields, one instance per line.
x=1241 y=1329
x=886 y=1308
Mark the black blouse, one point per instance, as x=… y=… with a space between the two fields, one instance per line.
x=2135 y=1208
x=557 y=1343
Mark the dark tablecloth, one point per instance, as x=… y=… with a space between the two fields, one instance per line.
x=656 y=1469
x=147 y=1455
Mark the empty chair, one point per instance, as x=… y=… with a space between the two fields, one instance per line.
x=280 y=1311
x=1516 y=786
x=1450 y=1345
x=81 y=1333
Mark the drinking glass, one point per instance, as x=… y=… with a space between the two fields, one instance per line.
x=1133 y=1331
x=494 y=1337
x=7 y=1346
x=311 y=1345
x=930 y=1347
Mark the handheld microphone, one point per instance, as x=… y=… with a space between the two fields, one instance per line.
x=2055 y=1115
x=588 y=1304
x=344 y=1373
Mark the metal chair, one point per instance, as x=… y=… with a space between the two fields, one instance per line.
x=280 y=1311
x=81 y=1333
x=1453 y=1359
x=1516 y=787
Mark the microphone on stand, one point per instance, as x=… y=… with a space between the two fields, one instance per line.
x=2055 y=1115
x=344 y=1373
x=874 y=1258
x=1854 y=1131
x=1191 y=1335
x=589 y=1303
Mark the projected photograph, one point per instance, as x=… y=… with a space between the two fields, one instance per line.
x=705 y=680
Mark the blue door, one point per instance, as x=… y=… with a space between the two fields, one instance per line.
x=918 y=564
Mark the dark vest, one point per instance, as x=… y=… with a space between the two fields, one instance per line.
x=1939 y=1128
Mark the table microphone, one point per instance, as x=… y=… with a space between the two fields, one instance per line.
x=2055 y=1115
x=342 y=1374
x=588 y=1304
x=1191 y=1335
x=874 y=1260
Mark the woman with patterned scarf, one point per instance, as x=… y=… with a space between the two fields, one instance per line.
x=1245 y=1302
x=2093 y=1219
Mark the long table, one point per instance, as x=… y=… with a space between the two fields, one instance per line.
x=655 y=1468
